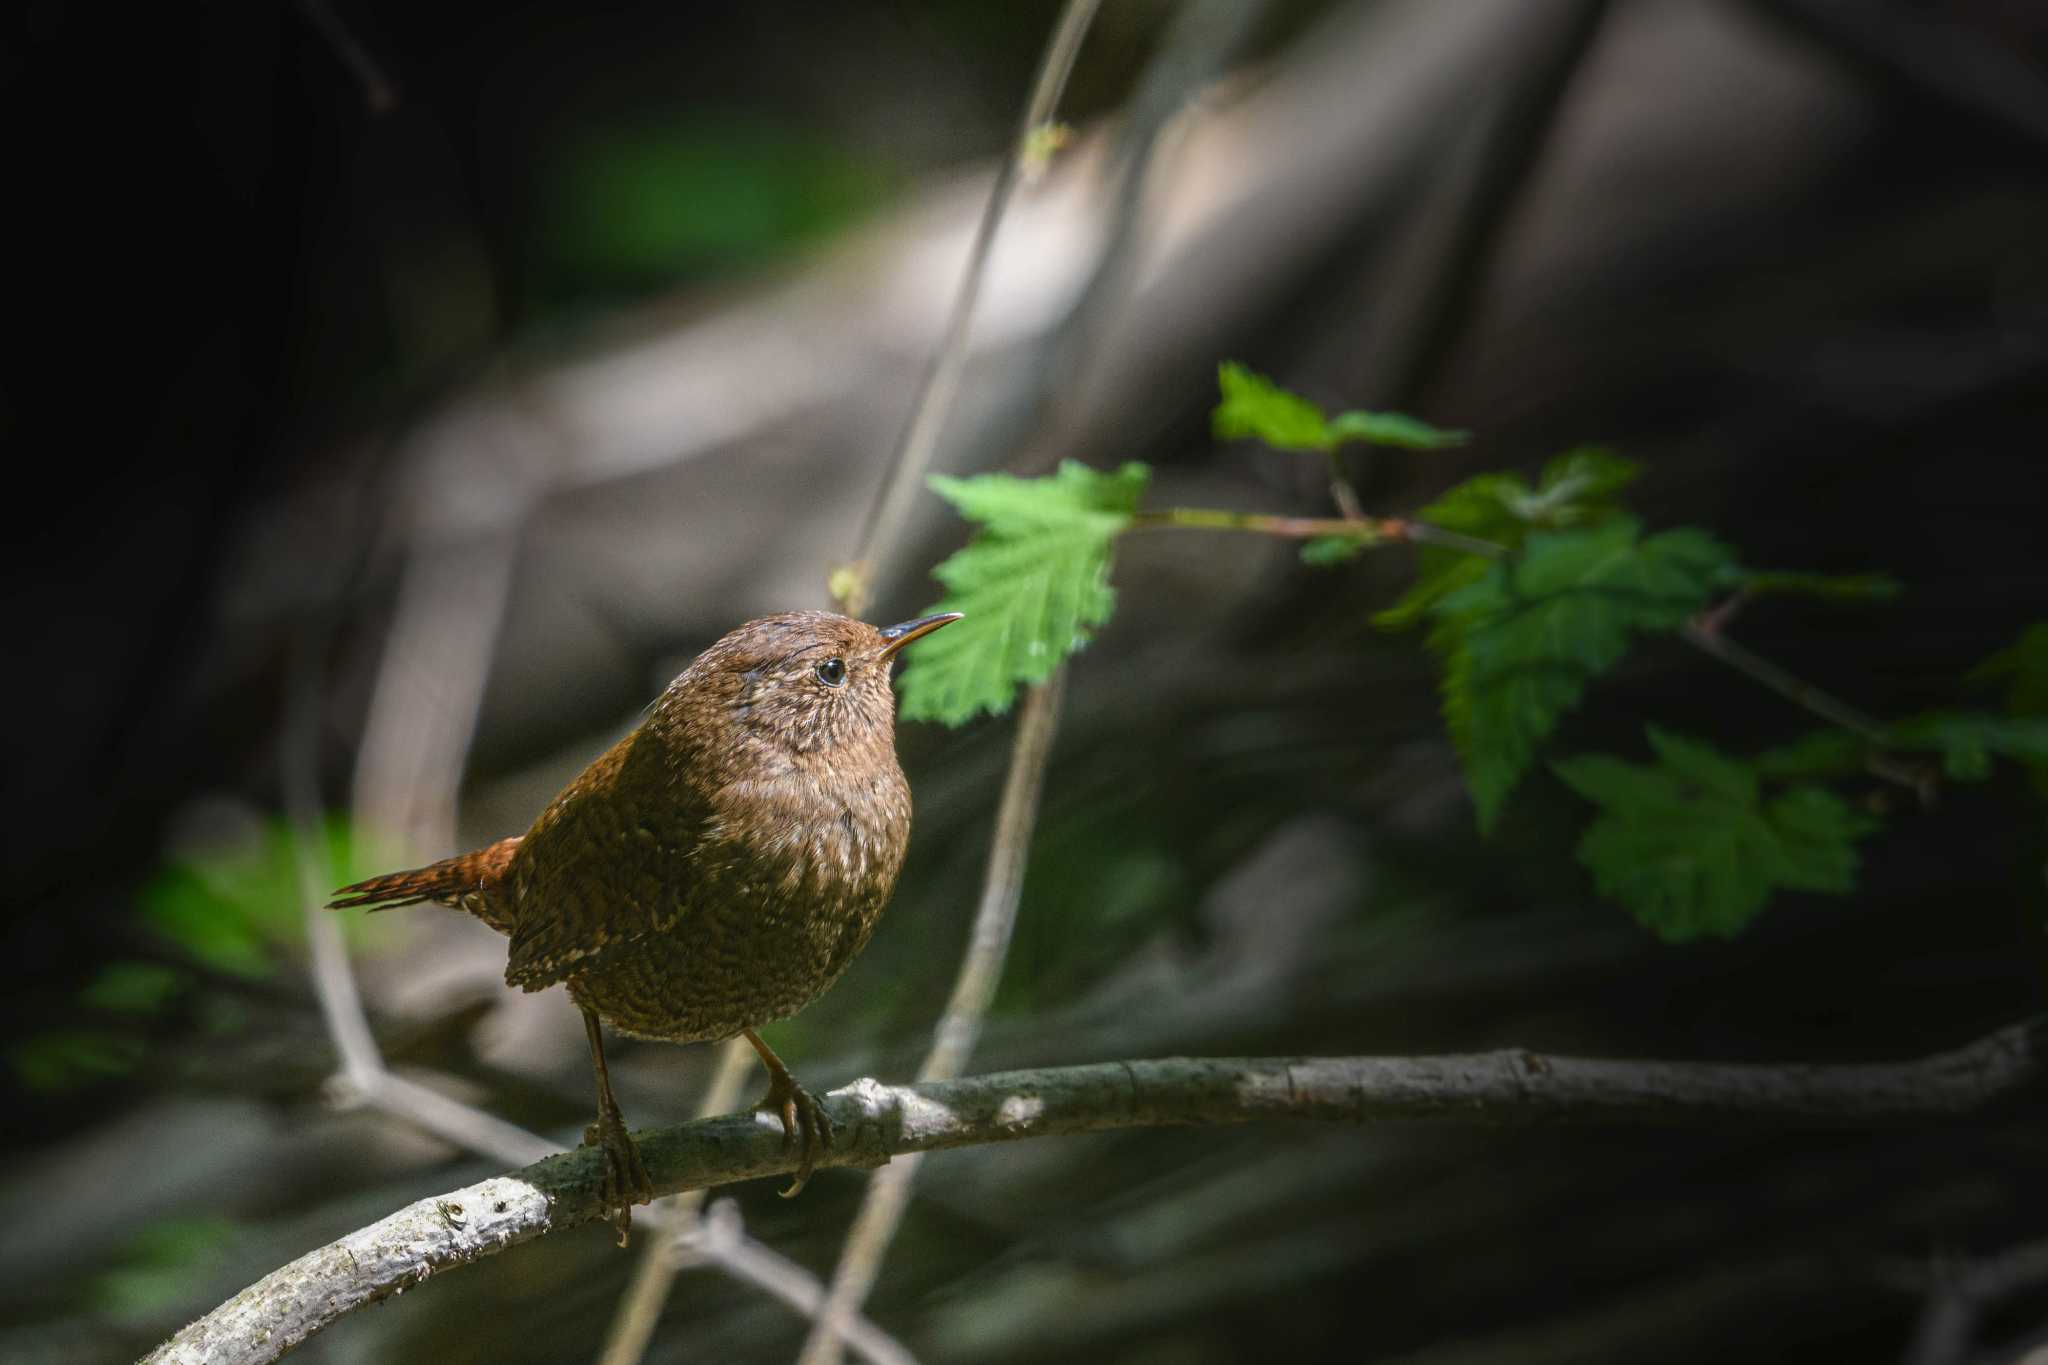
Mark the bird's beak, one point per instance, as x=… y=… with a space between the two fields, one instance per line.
x=901 y=635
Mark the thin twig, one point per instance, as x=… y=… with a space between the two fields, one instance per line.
x=854 y=585
x=1364 y=530
x=333 y=983
x=1704 y=635
x=378 y=92
x=1787 y=685
x=1198 y=41
x=719 y=1239
x=1512 y=131
x=888 y=1194
x=1342 y=491
x=430 y=685
x=878 y=1122
x=638 y=1312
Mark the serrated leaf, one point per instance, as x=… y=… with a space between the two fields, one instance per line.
x=1859 y=587
x=2022 y=667
x=1817 y=833
x=1520 y=644
x=1703 y=766
x=1032 y=584
x=1968 y=740
x=1687 y=846
x=1393 y=429
x=1577 y=488
x=1821 y=753
x=1253 y=405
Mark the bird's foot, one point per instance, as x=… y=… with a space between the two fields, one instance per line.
x=625 y=1181
x=799 y=1110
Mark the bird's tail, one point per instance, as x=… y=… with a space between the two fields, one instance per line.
x=469 y=881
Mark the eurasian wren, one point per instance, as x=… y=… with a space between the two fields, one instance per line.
x=713 y=871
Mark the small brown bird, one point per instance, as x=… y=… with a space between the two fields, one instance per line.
x=713 y=871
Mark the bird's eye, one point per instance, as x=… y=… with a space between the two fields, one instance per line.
x=832 y=672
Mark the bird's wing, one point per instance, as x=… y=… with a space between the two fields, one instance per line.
x=608 y=862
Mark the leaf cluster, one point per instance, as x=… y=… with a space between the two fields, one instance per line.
x=1521 y=641
x=1692 y=845
x=1542 y=586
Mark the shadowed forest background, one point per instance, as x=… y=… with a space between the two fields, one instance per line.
x=586 y=340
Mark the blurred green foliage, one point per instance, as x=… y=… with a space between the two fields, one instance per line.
x=68 y=1059
x=236 y=909
x=163 y=1266
x=240 y=908
x=638 y=205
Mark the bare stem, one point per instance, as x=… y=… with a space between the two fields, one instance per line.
x=1794 y=689
x=1364 y=530
x=1342 y=492
x=1704 y=634
x=719 y=1239
x=638 y=1312
x=854 y=584
x=888 y=1194
x=378 y=92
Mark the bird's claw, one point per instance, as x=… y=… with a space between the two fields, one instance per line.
x=625 y=1181
x=799 y=1110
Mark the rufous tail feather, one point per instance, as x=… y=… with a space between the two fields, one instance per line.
x=469 y=881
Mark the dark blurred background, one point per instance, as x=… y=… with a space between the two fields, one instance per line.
x=407 y=392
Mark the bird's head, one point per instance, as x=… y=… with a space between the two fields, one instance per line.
x=806 y=680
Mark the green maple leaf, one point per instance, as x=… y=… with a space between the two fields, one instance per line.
x=1253 y=405
x=2023 y=667
x=1967 y=742
x=1032 y=584
x=1521 y=642
x=1692 y=847
x=1578 y=488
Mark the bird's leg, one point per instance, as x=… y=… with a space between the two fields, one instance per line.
x=625 y=1181
x=797 y=1108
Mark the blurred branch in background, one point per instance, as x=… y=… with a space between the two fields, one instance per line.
x=934 y=401
x=878 y=1122
x=1960 y=1292
x=1505 y=145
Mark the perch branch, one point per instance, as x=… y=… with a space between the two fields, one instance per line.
x=878 y=1122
